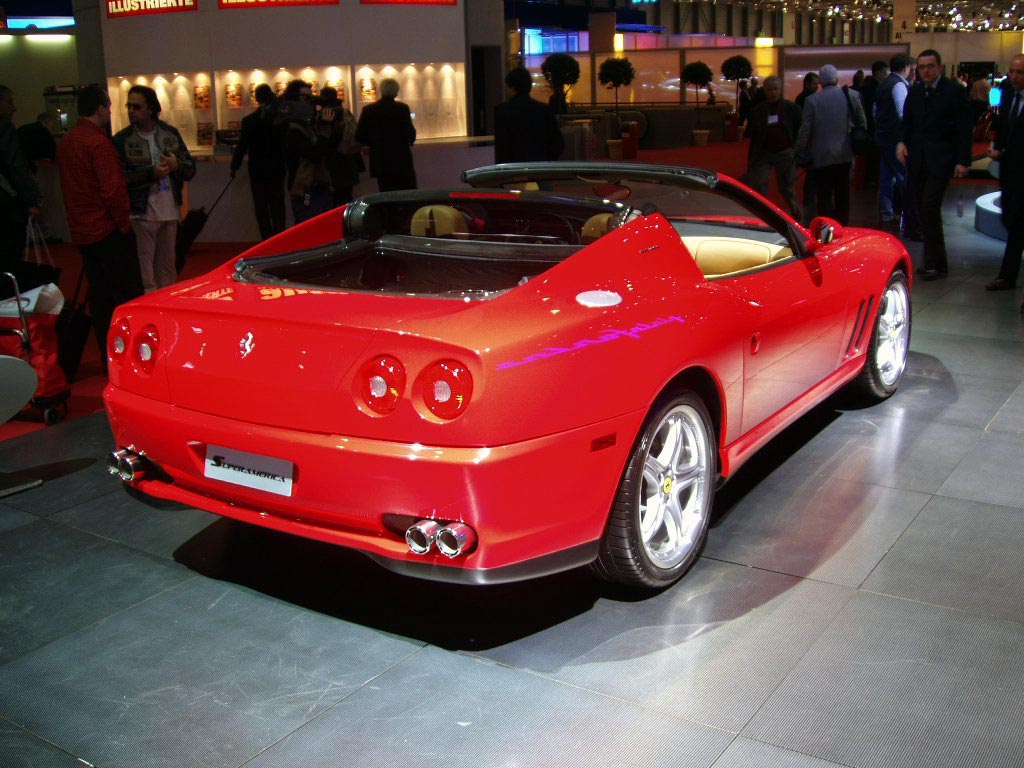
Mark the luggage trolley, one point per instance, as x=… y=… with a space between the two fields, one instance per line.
x=37 y=346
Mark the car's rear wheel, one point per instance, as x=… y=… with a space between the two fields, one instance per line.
x=890 y=341
x=659 y=519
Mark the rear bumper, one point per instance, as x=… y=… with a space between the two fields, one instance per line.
x=537 y=507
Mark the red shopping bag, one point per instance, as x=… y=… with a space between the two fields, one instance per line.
x=41 y=353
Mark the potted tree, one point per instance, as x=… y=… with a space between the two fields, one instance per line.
x=699 y=75
x=615 y=72
x=561 y=71
x=737 y=68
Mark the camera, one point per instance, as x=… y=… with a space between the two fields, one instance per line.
x=294 y=112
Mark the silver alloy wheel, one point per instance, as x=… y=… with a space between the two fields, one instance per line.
x=893 y=333
x=675 y=488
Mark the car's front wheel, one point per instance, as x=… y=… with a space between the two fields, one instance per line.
x=890 y=341
x=659 y=519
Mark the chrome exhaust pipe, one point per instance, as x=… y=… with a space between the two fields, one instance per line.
x=114 y=461
x=420 y=536
x=454 y=539
x=131 y=467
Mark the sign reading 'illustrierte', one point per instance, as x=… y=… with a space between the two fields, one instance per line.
x=272 y=3
x=118 y=8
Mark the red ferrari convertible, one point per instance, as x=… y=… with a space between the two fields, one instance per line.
x=552 y=367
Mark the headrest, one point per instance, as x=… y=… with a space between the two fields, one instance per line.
x=596 y=227
x=438 y=221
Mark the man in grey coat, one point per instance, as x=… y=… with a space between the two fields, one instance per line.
x=825 y=131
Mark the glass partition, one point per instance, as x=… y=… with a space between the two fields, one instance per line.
x=846 y=58
x=578 y=94
x=764 y=61
x=657 y=78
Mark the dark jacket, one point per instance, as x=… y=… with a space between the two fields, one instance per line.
x=258 y=139
x=888 y=123
x=1010 y=142
x=524 y=130
x=15 y=169
x=138 y=163
x=386 y=128
x=868 y=95
x=790 y=115
x=37 y=143
x=938 y=127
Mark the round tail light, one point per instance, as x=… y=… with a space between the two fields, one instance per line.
x=145 y=347
x=380 y=384
x=117 y=340
x=446 y=388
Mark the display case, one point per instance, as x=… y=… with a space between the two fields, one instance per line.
x=208 y=108
x=186 y=102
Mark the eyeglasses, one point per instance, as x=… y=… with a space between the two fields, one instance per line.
x=129 y=105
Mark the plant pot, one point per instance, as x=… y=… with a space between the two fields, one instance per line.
x=700 y=137
x=614 y=149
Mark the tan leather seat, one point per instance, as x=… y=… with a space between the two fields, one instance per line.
x=438 y=221
x=720 y=256
x=596 y=227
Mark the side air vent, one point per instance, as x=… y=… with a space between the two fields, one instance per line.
x=860 y=326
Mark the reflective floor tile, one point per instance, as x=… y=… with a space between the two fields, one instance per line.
x=57 y=580
x=208 y=674
x=20 y=749
x=440 y=708
x=747 y=753
x=11 y=517
x=992 y=472
x=962 y=554
x=825 y=528
x=710 y=649
x=915 y=455
x=928 y=392
x=1010 y=417
x=991 y=321
x=69 y=458
x=157 y=528
x=898 y=684
x=997 y=358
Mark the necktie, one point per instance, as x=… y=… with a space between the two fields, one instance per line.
x=1015 y=110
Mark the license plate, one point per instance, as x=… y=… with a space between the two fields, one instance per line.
x=263 y=473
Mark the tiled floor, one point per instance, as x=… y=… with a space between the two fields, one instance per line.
x=859 y=603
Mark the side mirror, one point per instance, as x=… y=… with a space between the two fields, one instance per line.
x=825 y=230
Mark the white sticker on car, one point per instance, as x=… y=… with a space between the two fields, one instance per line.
x=263 y=473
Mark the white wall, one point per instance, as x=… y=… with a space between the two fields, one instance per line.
x=349 y=33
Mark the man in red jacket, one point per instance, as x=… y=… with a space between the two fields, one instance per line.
x=96 y=199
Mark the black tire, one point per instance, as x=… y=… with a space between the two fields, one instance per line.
x=672 y=468
x=886 y=356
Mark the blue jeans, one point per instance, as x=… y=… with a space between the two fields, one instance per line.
x=320 y=201
x=892 y=176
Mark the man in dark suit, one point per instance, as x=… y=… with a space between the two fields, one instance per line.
x=936 y=145
x=386 y=128
x=524 y=128
x=266 y=163
x=1009 y=151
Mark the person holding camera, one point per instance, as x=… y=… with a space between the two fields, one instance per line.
x=157 y=164
x=308 y=139
x=345 y=163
